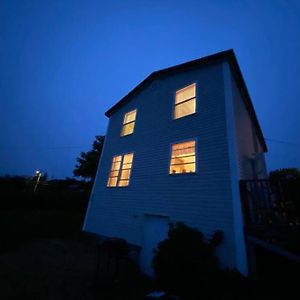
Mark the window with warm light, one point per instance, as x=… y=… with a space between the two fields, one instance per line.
x=183 y=158
x=120 y=170
x=128 y=123
x=185 y=101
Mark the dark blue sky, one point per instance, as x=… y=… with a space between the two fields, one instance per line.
x=64 y=63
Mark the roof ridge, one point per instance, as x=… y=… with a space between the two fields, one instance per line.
x=228 y=55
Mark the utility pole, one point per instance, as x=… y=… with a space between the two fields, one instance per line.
x=38 y=174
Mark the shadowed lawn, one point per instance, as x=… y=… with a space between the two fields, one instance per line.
x=49 y=269
x=22 y=226
x=65 y=269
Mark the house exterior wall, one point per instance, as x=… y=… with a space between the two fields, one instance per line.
x=251 y=157
x=203 y=199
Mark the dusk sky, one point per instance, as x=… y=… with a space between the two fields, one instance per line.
x=64 y=63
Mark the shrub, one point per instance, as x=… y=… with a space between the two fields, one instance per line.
x=185 y=262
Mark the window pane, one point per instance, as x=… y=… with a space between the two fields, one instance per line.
x=114 y=173
x=128 y=123
x=184 y=109
x=127 y=129
x=117 y=158
x=125 y=174
x=130 y=117
x=115 y=166
x=183 y=152
x=128 y=158
x=184 y=145
x=183 y=158
x=186 y=93
x=119 y=174
x=123 y=183
x=112 y=181
x=187 y=168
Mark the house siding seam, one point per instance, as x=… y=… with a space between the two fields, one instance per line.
x=202 y=200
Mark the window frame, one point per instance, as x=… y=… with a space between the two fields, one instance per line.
x=120 y=170
x=196 y=99
x=123 y=124
x=196 y=157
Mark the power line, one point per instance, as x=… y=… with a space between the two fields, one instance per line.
x=282 y=142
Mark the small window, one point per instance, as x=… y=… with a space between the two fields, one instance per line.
x=183 y=158
x=185 y=101
x=120 y=170
x=128 y=123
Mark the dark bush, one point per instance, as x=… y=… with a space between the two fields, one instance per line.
x=185 y=262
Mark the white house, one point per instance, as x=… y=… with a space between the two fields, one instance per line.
x=175 y=149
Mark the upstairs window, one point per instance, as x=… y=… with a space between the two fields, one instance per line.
x=185 y=101
x=128 y=123
x=183 y=158
x=119 y=174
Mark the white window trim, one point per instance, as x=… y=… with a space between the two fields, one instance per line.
x=120 y=170
x=136 y=113
x=196 y=156
x=196 y=98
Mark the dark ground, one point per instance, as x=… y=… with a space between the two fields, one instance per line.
x=43 y=252
x=45 y=255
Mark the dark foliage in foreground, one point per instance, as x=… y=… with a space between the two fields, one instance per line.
x=56 y=209
x=285 y=183
x=284 y=174
x=185 y=262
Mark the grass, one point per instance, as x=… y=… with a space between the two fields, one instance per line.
x=50 y=269
x=65 y=269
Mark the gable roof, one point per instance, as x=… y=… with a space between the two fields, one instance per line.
x=227 y=55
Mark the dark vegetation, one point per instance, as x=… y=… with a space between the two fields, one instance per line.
x=45 y=255
x=51 y=208
x=287 y=182
x=87 y=162
x=185 y=260
x=186 y=265
x=55 y=209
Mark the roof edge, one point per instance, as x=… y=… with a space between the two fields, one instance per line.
x=190 y=64
x=227 y=55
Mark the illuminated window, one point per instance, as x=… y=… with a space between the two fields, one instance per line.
x=183 y=158
x=185 y=101
x=128 y=123
x=120 y=170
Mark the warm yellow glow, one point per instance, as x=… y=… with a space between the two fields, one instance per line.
x=128 y=123
x=185 y=101
x=114 y=172
x=126 y=170
x=183 y=158
x=120 y=170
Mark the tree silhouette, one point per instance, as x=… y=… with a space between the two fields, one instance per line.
x=285 y=174
x=87 y=163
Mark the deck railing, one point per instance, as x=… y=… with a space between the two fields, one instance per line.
x=272 y=211
x=267 y=203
